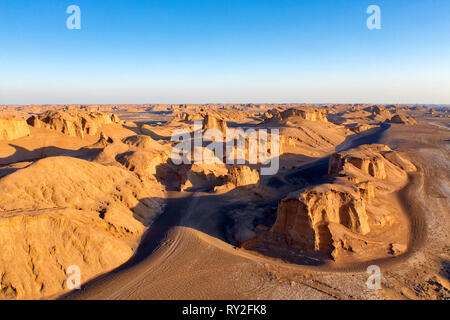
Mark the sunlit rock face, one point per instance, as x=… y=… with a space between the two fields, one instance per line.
x=71 y=123
x=311 y=114
x=212 y=122
x=400 y=119
x=303 y=217
x=336 y=217
x=365 y=158
x=242 y=176
x=11 y=129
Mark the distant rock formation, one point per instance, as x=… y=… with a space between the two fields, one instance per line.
x=402 y=120
x=378 y=113
x=188 y=117
x=115 y=118
x=71 y=123
x=311 y=114
x=212 y=122
x=376 y=110
x=11 y=129
x=358 y=128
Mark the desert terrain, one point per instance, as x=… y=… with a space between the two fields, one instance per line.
x=96 y=186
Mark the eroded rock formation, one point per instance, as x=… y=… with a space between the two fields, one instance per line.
x=366 y=158
x=242 y=176
x=333 y=217
x=143 y=162
x=71 y=123
x=204 y=176
x=11 y=129
x=311 y=114
x=303 y=217
x=400 y=119
x=212 y=122
x=62 y=211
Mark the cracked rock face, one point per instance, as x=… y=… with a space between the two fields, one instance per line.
x=11 y=129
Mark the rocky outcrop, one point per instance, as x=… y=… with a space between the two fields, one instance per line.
x=378 y=113
x=238 y=176
x=365 y=158
x=358 y=128
x=144 y=156
x=204 y=176
x=143 y=162
x=333 y=218
x=376 y=110
x=11 y=129
x=303 y=217
x=400 y=119
x=142 y=142
x=115 y=118
x=212 y=122
x=242 y=176
x=398 y=160
x=366 y=191
x=188 y=117
x=71 y=123
x=311 y=114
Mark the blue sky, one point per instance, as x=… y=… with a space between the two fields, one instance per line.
x=229 y=51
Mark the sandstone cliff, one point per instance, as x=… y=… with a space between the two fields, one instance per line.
x=11 y=129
